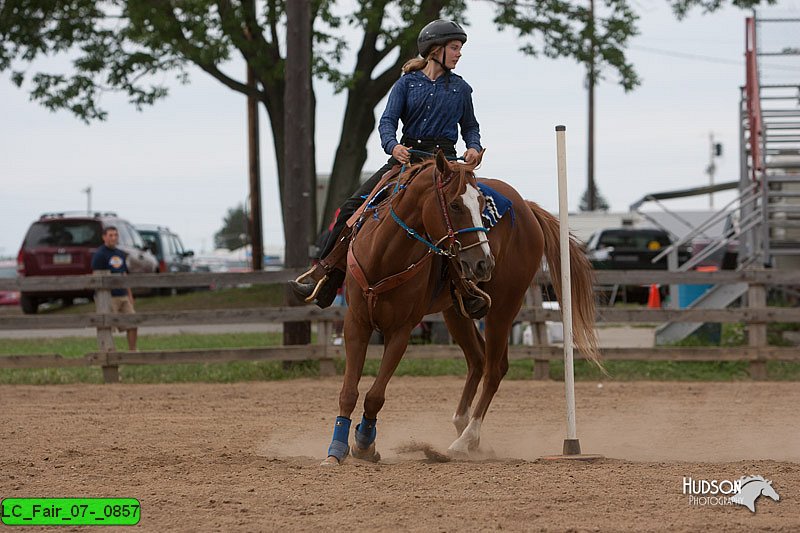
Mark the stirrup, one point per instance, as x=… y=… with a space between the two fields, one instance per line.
x=304 y=275
x=313 y=296
x=319 y=283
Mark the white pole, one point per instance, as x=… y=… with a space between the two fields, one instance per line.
x=566 y=284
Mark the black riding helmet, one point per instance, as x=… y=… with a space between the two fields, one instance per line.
x=439 y=32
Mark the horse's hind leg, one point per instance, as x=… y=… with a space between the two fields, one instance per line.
x=495 y=367
x=356 y=337
x=467 y=336
x=395 y=343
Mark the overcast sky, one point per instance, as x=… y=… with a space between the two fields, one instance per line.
x=183 y=162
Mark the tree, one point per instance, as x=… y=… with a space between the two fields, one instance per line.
x=233 y=233
x=126 y=46
x=600 y=202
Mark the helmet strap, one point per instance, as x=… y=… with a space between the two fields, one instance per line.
x=443 y=62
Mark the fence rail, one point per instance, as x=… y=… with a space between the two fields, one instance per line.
x=756 y=315
x=228 y=279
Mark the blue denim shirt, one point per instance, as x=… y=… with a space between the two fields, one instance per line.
x=430 y=109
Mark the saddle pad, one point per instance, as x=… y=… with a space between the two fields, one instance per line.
x=497 y=205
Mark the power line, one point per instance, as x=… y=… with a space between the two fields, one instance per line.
x=684 y=55
x=708 y=59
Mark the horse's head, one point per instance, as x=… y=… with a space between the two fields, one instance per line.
x=454 y=212
x=767 y=490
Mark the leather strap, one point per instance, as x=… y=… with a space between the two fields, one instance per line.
x=336 y=257
x=394 y=171
x=371 y=292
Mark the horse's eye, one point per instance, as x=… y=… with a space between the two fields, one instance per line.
x=455 y=207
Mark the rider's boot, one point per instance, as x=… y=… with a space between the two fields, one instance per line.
x=320 y=283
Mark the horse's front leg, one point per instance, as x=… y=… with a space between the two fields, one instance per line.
x=471 y=342
x=395 y=344
x=498 y=327
x=356 y=339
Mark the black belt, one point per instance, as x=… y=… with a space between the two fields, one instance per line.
x=430 y=145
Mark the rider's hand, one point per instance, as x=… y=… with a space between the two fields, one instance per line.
x=471 y=155
x=402 y=154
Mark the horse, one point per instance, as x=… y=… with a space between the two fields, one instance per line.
x=400 y=262
x=751 y=488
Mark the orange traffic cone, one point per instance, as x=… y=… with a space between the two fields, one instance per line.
x=654 y=298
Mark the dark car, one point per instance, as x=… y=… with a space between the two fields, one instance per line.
x=167 y=247
x=62 y=244
x=630 y=249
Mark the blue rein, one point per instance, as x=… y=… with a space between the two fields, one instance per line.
x=411 y=231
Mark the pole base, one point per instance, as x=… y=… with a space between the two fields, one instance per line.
x=572 y=452
x=572 y=447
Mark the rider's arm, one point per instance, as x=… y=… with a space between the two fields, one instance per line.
x=470 y=129
x=387 y=127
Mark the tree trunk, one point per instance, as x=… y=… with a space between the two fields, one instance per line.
x=350 y=155
x=300 y=188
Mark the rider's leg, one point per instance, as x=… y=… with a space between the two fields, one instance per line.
x=321 y=282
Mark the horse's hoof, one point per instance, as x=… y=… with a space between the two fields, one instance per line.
x=458 y=455
x=366 y=454
x=330 y=461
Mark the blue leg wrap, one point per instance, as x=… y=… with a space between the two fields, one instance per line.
x=366 y=432
x=341 y=433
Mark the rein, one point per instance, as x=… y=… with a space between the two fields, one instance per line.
x=454 y=246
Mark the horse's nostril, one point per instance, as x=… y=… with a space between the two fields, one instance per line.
x=482 y=268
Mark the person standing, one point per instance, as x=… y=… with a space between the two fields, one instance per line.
x=433 y=103
x=109 y=257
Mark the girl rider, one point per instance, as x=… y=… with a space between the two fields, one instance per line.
x=432 y=103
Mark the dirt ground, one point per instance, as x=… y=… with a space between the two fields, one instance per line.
x=245 y=456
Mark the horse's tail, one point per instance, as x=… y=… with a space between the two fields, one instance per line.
x=582 y=278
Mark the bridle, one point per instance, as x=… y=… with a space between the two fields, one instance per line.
x=454 y=246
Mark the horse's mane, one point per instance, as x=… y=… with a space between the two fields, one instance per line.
x=748 y=479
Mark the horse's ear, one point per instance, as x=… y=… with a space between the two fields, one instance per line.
x=441 y=162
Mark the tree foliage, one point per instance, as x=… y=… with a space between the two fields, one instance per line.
x=600 y=202
x=233 y=233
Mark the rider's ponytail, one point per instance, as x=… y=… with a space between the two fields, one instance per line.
x=418 y=63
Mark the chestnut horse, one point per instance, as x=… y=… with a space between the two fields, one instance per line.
x=397 y=273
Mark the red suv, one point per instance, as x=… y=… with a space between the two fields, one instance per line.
x=62 y=244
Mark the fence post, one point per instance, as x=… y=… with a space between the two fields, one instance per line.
x=757 y=331
x=541 y=367
x=105 y=340
x=327 y=367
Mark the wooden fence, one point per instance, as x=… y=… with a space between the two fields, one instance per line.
x=756 y=315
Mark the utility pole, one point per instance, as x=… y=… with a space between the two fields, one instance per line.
x=591 y=190
x=299 y=191
x=88 y=191
x=254 y=164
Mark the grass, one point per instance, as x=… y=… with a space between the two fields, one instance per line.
x=275 y=370
x=228 y=298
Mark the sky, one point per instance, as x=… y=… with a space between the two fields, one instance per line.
x=183 y=162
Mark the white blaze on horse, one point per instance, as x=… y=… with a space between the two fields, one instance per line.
x=424 y=249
